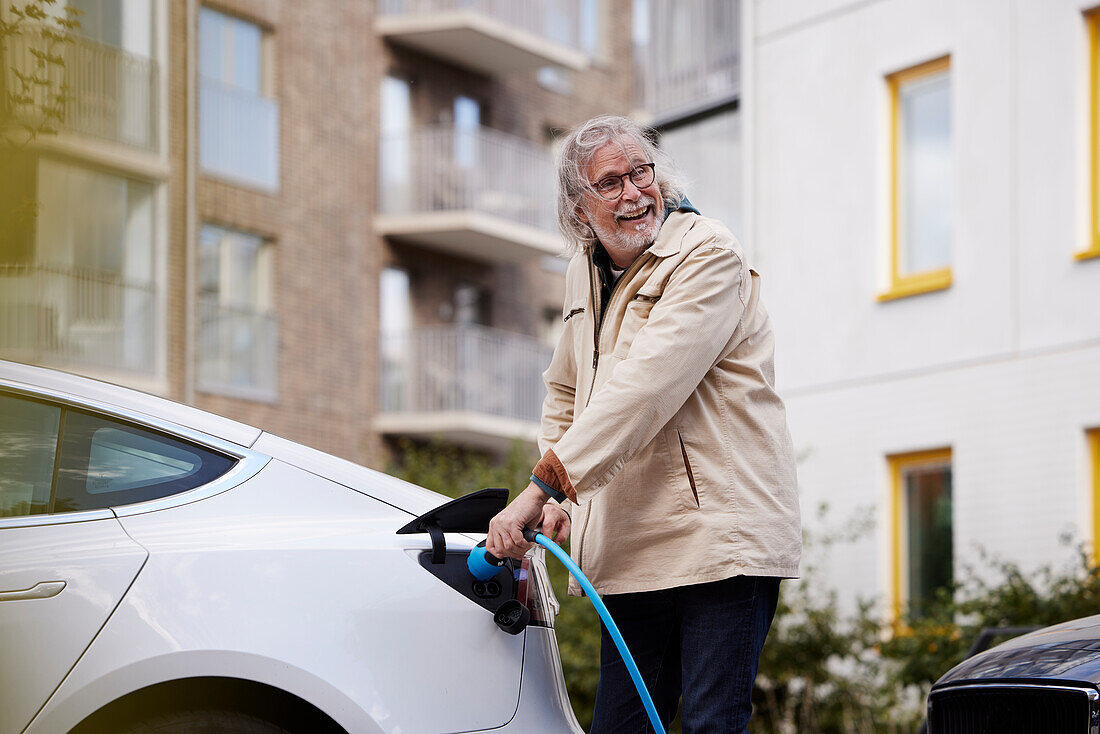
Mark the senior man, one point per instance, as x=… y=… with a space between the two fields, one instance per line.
x=663 y=440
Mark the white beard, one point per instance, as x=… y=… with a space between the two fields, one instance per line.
x=633 y=244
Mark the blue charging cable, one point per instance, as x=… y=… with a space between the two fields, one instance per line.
x=480 y=564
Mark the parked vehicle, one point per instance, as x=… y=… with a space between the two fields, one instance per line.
x=161 y=567
x=1044 y=681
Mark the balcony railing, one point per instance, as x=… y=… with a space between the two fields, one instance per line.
x=691 y=59
x=447 y=168
x=238 y=135
x=238 y=350
x=107 y=93
x=492 y=36
x=472 y=369
x=68 y=318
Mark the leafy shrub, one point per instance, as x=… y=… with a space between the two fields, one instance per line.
x=823 y=671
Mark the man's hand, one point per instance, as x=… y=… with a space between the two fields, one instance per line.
x=506 y=529
x=555 y=523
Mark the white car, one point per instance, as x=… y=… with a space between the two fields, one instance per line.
x=163 y=569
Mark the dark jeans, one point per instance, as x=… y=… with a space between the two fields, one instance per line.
x=704 y=640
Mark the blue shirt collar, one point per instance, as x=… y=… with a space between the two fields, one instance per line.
x=683 y=206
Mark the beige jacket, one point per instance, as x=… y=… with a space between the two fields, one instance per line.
x=664 y=427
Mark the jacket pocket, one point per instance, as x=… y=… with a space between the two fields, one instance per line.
x=635 y=317
x=680 y=472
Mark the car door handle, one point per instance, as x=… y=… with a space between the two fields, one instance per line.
x=41 y=590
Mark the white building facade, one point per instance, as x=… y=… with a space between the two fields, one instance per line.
x=920 y=192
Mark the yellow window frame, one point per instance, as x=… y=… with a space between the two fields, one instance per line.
x=1092 y=20
x=1093 y=437
x=899 y=463
x=903 y=286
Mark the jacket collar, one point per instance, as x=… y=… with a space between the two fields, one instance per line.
x=677 y=223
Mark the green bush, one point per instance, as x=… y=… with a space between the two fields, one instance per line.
x=925 y=647
x=824 y=671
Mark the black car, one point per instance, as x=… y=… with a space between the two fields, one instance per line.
x=1045 y=681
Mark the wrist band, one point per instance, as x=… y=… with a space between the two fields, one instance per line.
x=554 y=493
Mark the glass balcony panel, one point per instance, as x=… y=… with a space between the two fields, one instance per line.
x=103 y=91
x=238 y=135
x=472 y=169
x=238 y=350
x=687 y=55
x=465 y=368
x=70 y=318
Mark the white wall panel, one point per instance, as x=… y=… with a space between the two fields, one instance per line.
x=1004 y=366
x=1059 y=296
x=1016 y=430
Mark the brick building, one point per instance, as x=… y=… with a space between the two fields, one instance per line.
x=331 y=219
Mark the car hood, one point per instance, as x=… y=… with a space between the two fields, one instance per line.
x=1068 y=652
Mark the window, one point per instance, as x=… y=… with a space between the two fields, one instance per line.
x=923 y=561
x=105 y=464
x=921 y=219
x=1093 y=437
x=467 y=113
x=238 y=342
x=686 y=55
x=471 y=304
x=88 y=297
x=395 y=322
x=1093 y=246
x=95 y=222
x=125 y=24
x=238 y=123
x=109 y=75
x=28 y=444
x=591 y=27
x=102 y=462
x=582 y=32
x=708 y=151
x=395 y=155
x=231 y=51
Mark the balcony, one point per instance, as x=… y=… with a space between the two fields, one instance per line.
x=238 y=135
x=476 y=193
x=494 y=37
x=238 y=351
x=467 y=384
x=690 y=59
x=80 y=320
x=104 y=92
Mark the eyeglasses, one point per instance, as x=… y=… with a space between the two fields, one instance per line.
x=611 y=187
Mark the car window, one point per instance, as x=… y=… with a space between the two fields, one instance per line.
x=105 y=463
x=28 y=444
x=119 y=460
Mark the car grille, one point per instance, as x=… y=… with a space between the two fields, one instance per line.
x=1012 y=709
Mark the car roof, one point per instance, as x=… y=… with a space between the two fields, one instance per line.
x=63 y=385
x=78 y=388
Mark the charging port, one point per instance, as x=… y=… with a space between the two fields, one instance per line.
x=454 y=573
x=487 y=589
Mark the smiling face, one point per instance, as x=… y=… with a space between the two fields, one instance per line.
x=627 y=225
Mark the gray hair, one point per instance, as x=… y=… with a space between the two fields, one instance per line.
x=576 y=152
